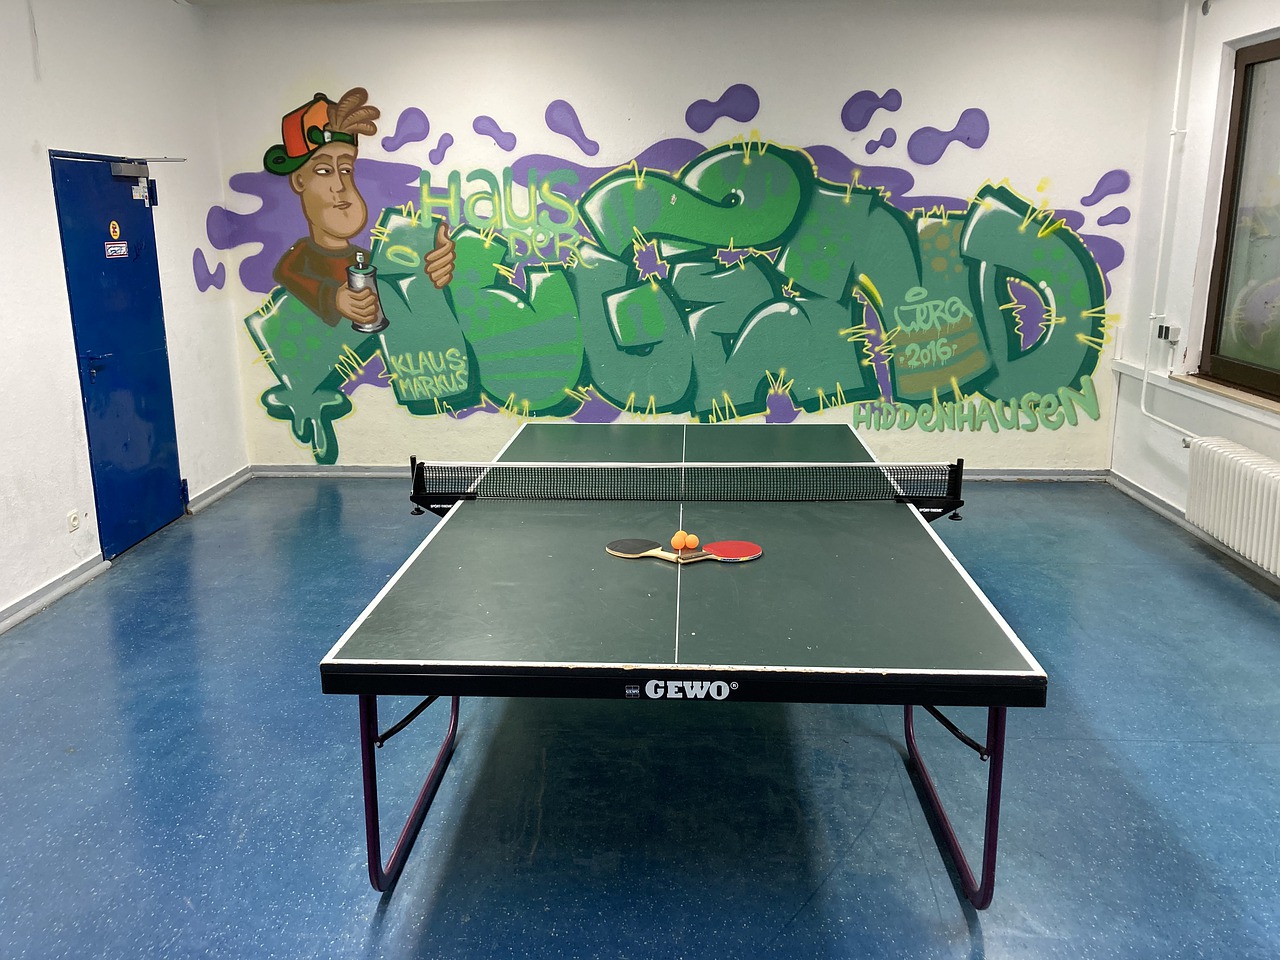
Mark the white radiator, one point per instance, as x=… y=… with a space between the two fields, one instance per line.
x=1235 y=497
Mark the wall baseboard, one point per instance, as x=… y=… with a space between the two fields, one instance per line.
x=402 y=473
x=219 y=490
x=33 y=603
x=289 y=471
x=1176 y=516
x=1036 y=473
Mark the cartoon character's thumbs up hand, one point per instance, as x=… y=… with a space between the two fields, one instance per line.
x=439 y=262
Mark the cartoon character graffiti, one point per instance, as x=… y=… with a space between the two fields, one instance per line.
x=318 y=155
x=325 y=275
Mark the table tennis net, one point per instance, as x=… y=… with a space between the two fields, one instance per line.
x=437 y=483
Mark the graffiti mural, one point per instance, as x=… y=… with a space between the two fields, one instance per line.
x=737 y=279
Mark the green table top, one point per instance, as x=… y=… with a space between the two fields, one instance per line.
x=850 y=602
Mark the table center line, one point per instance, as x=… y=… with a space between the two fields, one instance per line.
x=684 y=456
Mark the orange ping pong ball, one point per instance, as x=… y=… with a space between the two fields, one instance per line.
x=678 y=540
x=691 y=541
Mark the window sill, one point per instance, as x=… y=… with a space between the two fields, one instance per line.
x=1216 y=395
x=1230 y=393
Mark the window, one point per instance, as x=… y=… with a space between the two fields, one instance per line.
x=1242 y=329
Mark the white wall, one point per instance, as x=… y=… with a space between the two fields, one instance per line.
x=1065 y=85
x=133 y=78
x=1072 y=90
x=1147 y=453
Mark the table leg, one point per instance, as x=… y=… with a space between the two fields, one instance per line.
x=383 y=877
x=978 y=891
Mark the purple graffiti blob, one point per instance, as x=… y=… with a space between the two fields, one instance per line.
x=1107 y=253
x=780 y=409
x=835 y=166
x=278 y=222
x=731 y=258
x=206 y=278
x=858 y=110
x=1110 y=183
x=928 y=144
x=412 y=127
x=485 y=406
x=1072 y=218
x=650 y=264
x=887 y=139
x=1118 y=215
x=596 y=410
x=563 y=119
x=1032 y=313
x=671 y=154
x=488 y=127
x=739 y=102
x=436 y=156
x=374 y=373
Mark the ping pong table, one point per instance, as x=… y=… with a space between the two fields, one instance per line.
x=853 y=601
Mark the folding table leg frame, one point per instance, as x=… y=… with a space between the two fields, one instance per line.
x=383 y=877
x=979 y=892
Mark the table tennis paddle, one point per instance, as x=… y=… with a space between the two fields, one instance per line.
x=633 y=549
x=726 y=551
x=732 y=551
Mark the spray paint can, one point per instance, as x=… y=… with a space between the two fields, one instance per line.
x=364 y=276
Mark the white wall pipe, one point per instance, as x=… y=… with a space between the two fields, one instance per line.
x=1177 y=131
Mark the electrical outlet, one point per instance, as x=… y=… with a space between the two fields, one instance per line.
x=73 y=521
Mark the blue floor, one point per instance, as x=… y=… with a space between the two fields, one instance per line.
x=174 y=784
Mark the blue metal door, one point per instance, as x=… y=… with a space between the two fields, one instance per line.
x=109 y=250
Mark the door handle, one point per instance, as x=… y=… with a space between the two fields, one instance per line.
x=91 y=361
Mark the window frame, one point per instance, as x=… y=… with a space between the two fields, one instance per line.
x=1214 y=366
